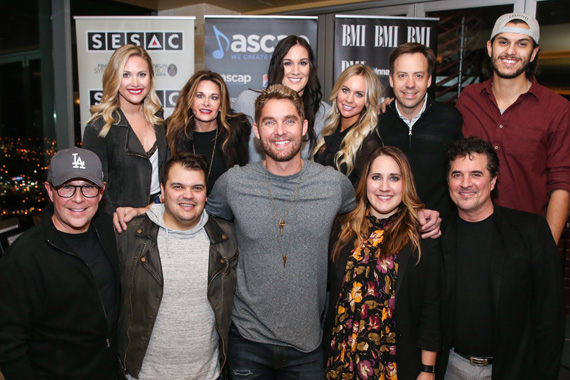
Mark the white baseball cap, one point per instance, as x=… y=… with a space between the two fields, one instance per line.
x=501 y=25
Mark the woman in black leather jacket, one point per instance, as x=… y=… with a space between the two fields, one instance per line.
x=127 y=132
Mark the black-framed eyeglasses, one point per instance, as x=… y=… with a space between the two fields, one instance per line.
x=67 y=191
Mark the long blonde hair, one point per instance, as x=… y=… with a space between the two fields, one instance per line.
x=183 y=115
x=112 y=78
x=365 y=124
x=354 y=226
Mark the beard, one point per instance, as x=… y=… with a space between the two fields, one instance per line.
x=281 y=156
x=510 y=75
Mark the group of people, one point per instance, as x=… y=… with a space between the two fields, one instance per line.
x=298 y=240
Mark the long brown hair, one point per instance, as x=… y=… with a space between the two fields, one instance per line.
x=112 y=77
x=354 y=226
x=182 y=119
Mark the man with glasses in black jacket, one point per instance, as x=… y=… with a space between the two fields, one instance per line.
x=59 y=282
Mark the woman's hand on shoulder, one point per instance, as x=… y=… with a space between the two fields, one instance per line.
x=382 y=106
x=431 y=223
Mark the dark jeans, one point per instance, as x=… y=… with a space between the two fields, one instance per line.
x=252 y=360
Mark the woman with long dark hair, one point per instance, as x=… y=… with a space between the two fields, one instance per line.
x=383 y=321
x=293 y=65
x=204 y=123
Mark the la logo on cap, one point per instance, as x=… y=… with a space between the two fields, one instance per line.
x=78 y=163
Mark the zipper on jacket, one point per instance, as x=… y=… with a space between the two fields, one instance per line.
x=214 y=310
x=124 y=361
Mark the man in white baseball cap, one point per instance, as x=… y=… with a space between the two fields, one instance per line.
x=527 y=124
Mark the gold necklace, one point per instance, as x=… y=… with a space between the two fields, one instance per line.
x=282 y=220
x=213 y=152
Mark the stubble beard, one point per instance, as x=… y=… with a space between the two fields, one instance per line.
x=283 y=156
x=515 y=74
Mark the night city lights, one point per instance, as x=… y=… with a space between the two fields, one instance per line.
x=23 y=169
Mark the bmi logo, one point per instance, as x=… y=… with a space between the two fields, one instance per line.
x=78 y=163
x=110 y=41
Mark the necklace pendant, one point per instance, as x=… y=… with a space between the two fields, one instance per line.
x=284 y=261
x=281 y=225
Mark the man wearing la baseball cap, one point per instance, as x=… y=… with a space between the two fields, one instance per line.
x=59 y=282
x=527 y=124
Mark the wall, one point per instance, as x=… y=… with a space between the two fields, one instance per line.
x=198 y=11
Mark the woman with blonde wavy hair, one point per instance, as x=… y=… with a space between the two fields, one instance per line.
x=204 y=123
x=383 y=319
x=127 y=132
x=348 y=137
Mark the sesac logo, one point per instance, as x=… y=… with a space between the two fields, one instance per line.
x=78 y=163
x=166 y=97
x=240 y=43
x=95 y=97
x=110 y=41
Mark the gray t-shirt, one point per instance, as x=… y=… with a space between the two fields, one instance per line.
x=279 y=304
x=245 y=103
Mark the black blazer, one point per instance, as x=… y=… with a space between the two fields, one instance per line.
x=417 y=304
x=527 y=293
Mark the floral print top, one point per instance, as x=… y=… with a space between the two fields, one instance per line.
x=363 y=344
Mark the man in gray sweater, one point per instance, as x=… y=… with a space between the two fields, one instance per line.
x=178 y=280
x=283 y=209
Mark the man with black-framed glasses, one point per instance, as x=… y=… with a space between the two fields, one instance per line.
x=59 y=282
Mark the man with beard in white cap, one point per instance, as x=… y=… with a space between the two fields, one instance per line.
x=527 y=124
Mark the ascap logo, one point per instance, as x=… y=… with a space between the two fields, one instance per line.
x=236 y=78
x=252 y=43
x=78 y=163
x=110 y=41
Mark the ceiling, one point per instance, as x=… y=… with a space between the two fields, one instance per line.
x=242 y=6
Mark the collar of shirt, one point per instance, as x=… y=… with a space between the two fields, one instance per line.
x=410 y=123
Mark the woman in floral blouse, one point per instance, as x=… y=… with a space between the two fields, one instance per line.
x=383 y=319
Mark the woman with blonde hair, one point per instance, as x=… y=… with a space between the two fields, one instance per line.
x=127 y=132
x=204 y=123
x=348 y=137
x=383 y=320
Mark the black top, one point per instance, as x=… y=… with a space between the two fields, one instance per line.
x=87 y=246
x=473 y=333
x=326 y=154
x=417 y=303
x=527 y=294
x=235 y=151
x=203 y=144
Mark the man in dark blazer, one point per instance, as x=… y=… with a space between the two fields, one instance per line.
x=503 y=306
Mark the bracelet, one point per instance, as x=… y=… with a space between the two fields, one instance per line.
x=428 y=368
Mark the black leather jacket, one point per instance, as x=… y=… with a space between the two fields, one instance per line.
x=141 y=274
x=126 y=166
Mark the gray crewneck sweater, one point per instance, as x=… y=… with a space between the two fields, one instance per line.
x=184 y=341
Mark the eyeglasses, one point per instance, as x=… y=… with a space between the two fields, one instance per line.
x=67 y=191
